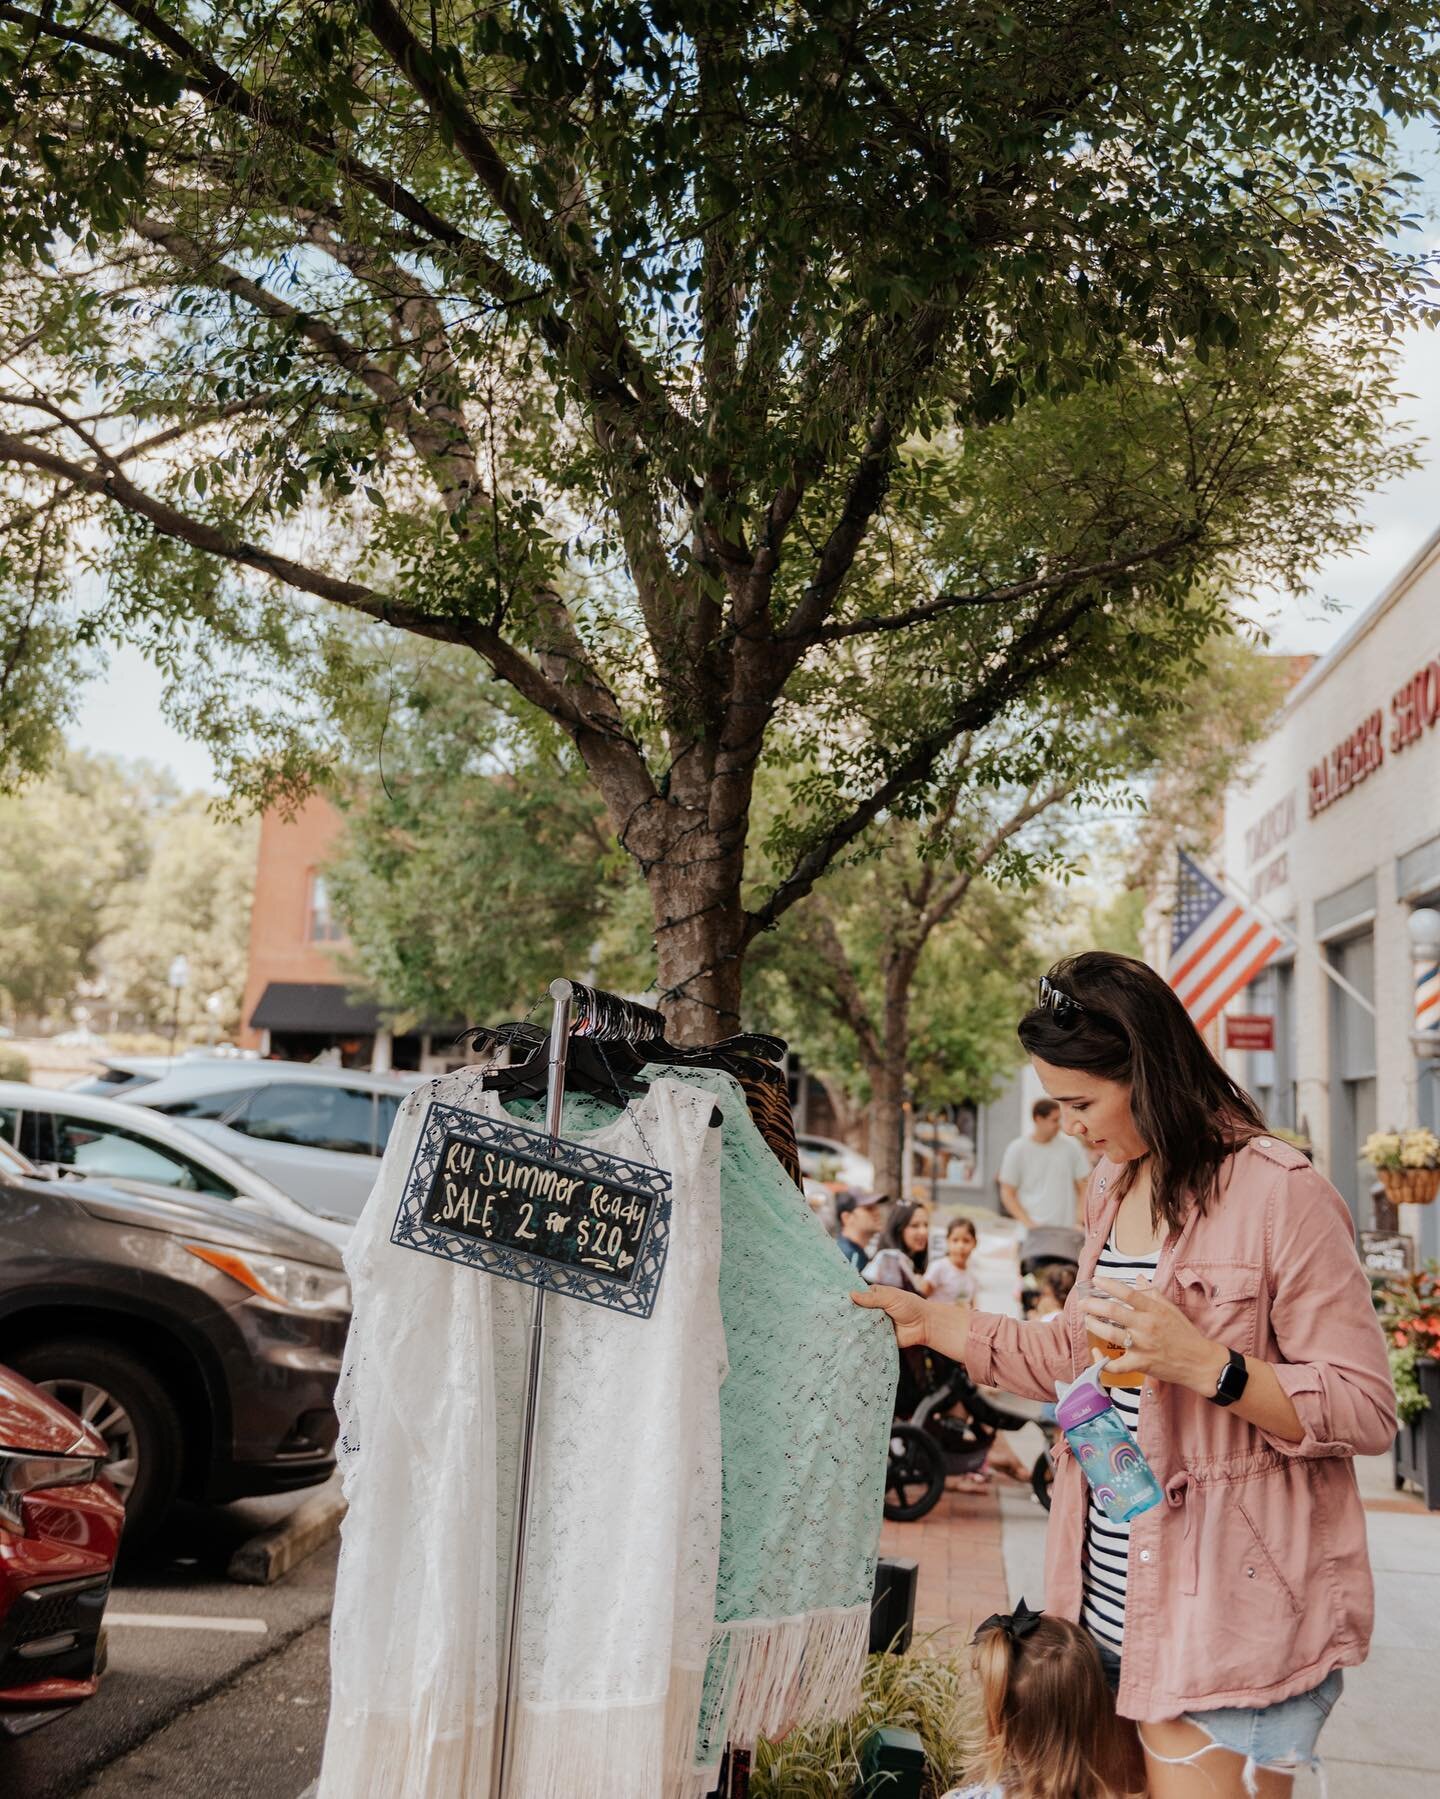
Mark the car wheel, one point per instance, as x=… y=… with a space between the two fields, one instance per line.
x=118 y=1396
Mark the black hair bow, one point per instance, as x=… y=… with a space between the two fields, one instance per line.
x=1017 y=1625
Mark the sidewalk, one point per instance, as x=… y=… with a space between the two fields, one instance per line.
x=980 y=1553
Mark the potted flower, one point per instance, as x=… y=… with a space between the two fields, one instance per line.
x=1408 y=1164
x=1410 y=1314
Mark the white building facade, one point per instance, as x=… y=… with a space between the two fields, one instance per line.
x=1337 y=838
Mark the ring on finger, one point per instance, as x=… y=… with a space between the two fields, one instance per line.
x=1128 y=1340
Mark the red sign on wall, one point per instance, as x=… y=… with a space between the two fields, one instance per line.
x=1249 y=1030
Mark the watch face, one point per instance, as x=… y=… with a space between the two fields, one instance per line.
x=1233 y=1377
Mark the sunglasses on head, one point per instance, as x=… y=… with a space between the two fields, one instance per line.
x=1067 y=1011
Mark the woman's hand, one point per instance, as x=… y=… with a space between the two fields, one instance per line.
x=1160 y=1340
x=908 y=1312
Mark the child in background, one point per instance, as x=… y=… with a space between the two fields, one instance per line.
x=1055 y=1282
x=1049 y=1720
x=951 y=1280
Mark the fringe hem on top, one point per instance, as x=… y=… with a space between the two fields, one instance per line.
x=767 y=1676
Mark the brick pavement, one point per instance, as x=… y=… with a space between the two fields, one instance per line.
x=961 y=1567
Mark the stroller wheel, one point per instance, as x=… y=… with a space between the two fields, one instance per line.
x=915 y=1478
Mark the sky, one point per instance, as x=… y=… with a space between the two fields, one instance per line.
x=121 y=713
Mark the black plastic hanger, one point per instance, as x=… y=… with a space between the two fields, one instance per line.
x=609 y=1073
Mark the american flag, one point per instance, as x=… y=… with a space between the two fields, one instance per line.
x=1217 y=944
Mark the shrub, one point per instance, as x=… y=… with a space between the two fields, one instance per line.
x=13 y=1065
x=926 y=1691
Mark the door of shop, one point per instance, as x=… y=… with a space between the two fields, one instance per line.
x=1352 y=1069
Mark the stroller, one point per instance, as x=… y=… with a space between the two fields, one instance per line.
x=949 y=1428
x=945 y=1424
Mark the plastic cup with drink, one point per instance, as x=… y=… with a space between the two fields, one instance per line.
x=1113 y=1351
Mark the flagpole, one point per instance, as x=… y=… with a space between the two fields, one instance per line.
x=1237 y=892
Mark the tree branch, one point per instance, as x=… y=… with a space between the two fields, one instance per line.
x=613 y=368
x=1009 y=680
x=948 y=902
x=847 y=1003
x=999 y=596
x=435 y=443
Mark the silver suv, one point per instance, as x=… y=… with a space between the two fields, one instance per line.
x=317 y=1133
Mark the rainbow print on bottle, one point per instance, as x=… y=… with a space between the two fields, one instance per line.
x=1108 y=1455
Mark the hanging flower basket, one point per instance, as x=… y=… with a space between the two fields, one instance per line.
x=1410 y=1186
x=1407 y=1162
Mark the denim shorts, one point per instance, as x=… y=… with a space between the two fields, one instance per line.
x=1282 y=1735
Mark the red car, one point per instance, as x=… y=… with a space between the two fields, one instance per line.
x=59 y=1535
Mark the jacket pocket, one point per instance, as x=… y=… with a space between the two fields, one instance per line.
x=1263 y=1563
x=1222 y=1299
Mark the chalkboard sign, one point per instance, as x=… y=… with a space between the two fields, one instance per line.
x=1387 y=1255
x=503 y=1198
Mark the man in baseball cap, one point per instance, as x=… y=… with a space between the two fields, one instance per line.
x=859 y=1218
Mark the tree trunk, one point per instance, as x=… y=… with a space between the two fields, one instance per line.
x=887 y=1128
x=887 y=1077
x=699 y=939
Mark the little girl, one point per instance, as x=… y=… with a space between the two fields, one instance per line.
x=1050 y=1730
x=1055 y=1282
x=951 y=1280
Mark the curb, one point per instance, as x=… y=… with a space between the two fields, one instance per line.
x=264 y=1558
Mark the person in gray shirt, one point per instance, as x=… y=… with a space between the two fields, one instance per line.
x=1043 y=1175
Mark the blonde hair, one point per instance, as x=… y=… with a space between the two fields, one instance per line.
x=1050 y=1730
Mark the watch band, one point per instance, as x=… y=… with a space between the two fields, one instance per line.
x=1233 y=1379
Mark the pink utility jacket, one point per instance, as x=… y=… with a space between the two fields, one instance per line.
x=1253 y=1581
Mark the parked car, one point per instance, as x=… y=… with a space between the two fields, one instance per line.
x=835 y=1165
x=117 y=1073
x=145 y=1152
x=59 y=1534
x=316 y=1132
x=201 y=1341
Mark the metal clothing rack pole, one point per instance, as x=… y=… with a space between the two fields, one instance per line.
x=563 y=994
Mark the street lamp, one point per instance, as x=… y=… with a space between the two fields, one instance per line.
x=1423 y=925
x=177 y=979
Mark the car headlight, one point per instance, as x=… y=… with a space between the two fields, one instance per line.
x=22 y=1473
x=293 y=1286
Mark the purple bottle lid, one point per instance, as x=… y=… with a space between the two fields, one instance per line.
x=1080 y=1400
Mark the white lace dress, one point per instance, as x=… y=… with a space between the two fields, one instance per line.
x=625 y=1521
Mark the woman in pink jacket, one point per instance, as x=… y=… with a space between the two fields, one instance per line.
x=1242 y=1320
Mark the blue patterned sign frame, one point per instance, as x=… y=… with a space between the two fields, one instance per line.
x=635 y=1296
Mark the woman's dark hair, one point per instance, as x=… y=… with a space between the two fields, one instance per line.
x=1116 y=1018
x=893 y=1236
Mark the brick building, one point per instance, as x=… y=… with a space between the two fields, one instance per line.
x=297 y=1004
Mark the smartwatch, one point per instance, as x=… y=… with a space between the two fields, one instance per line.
x=1232 y=1382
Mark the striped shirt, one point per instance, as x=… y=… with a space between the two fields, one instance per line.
x=1107 y=1544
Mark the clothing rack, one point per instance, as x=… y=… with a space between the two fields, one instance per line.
x=579 y=1011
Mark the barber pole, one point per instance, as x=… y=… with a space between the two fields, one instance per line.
x=1427 y=995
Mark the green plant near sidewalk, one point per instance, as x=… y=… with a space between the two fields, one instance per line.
x=14 y=1065
x=927 y=1691
x=1410 y=1314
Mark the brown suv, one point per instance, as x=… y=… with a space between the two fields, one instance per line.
x=202 y=1343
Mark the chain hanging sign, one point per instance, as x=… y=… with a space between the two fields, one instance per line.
x=514 y=1202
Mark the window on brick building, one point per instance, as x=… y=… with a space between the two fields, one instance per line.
x=324 y=925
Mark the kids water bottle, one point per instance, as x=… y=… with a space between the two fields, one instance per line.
x=1109 y=1456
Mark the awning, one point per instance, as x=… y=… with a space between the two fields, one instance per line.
x=322 y=1007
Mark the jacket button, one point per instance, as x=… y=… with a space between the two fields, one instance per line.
x=1249 y=1574
x=1262 y=1143
x=1144 y=1555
